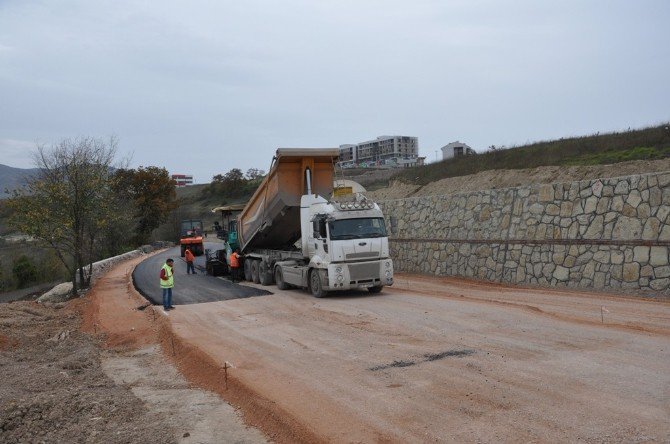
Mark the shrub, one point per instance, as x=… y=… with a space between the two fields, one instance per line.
x=24 y=271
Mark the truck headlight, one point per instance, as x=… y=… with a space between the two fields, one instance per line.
x=388 y=264
x=340 y=278
x=388 y=273
x=338 y=270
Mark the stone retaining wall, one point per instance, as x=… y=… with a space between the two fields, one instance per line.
x=100 y=267
x=604 y=233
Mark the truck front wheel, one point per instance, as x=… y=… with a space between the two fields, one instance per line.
x=315 y=285
x=376 y=289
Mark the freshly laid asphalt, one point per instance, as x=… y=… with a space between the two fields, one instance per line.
x=188 y=288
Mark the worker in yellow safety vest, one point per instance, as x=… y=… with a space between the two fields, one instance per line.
x=167 y=283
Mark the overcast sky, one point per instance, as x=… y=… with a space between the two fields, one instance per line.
x=202 y=87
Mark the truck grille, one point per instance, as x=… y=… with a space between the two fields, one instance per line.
x=358 y=272
x=366 y=255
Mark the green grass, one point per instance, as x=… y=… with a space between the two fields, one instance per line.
x=611 y=156
x=647 y=143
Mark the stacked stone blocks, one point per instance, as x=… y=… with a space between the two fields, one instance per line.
x=604 y=233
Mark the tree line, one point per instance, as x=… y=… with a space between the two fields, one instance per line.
x=84 y=205
x=234 y=184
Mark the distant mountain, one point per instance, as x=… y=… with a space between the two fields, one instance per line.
x=12 y=178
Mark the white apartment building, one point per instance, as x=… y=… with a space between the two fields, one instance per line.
x=384 y=150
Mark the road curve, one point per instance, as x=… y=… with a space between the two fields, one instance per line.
x=188 y=289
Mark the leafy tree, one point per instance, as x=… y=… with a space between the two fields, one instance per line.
x=232 y=184
x=152 y=193
x=254 y=174
x=24 y=271
x=233 y=177
x=70 y=203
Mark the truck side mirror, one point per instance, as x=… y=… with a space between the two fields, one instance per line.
x=322 y=229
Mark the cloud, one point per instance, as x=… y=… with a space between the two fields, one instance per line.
x=202 y=87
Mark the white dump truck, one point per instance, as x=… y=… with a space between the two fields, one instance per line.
x=298 y=231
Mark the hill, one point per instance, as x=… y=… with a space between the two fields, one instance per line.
x=12 y=178
x=567 y=159
x=196 y=202
x=504 y=178
x=598 y=149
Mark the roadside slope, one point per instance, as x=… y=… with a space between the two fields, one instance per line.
x=493 y=179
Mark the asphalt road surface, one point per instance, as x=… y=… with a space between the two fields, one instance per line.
x=188 y=288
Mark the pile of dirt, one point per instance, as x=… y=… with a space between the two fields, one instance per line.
x=493 y=179
x=54 y=389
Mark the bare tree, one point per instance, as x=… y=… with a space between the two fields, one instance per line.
x=70 y=203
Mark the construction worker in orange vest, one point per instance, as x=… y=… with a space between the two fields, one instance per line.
x=235 y=265
x=188 y=255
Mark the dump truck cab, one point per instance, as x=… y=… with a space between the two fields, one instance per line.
x=346 y=244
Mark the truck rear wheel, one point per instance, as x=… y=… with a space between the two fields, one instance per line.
x=247 y=270
x=264 y=273
x=254 y=272
x=315 y=284
x=279 y=279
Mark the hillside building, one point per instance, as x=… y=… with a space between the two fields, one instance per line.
x=182 y=179
x=456 y=149
x=399 y=151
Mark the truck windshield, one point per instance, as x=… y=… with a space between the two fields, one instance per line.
x=191 y=227
x=357 y=228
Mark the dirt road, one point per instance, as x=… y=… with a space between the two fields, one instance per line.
x=442 y=360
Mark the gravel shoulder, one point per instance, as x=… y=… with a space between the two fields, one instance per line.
x=92 y=370
x=54 y=387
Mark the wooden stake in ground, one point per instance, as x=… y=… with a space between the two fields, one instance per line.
x=226 y=366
